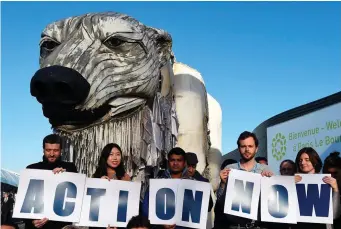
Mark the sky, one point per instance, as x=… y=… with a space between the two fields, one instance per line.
x=258 y=59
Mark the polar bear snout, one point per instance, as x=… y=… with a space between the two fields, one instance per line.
x=60 y=85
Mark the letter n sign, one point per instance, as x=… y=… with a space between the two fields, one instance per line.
x=242 y=194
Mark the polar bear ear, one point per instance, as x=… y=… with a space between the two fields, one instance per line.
x=167 y=78
x=164 y=45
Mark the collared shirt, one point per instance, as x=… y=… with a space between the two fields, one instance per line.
x=258 y=168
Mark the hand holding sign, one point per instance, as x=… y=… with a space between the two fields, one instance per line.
x=266 y=173
x=298 y=178
x=105 y=177
x=58 y=170
x=38 y=223
x=332 y=182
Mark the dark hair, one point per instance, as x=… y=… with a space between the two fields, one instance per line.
x=291 y=162
x=138 y=221
x=261 y=159
x=52 y=139
x=313 y=157
x=177 y=151
x=332 y=161
x=227 y=162
x=102 y=163
x=245 y=135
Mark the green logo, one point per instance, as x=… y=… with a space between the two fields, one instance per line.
x=279 y=147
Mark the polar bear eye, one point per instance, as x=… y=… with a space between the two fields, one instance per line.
x=49 y=45
x=113 y=42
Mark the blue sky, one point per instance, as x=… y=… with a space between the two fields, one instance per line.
x=257 y=59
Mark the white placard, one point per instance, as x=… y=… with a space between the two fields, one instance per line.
x=279 y=199
x=317 y=200
x=242 y=194
x=101 y=202
x=196 y=190
x=169 y=187
x=58 y=196
x=168 y=204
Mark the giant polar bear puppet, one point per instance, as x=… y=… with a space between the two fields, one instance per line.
x=106 y=77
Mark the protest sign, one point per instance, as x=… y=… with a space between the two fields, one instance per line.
x=278 y=199
x=41 y=193
x=314 y=199
x=242 y=198
x=181 y=202
x=111 y=202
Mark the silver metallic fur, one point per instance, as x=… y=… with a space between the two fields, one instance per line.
x=126 y=76
x=132 y=68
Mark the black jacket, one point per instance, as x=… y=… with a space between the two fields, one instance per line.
x=197 y=176
x=6 y=210
x=45 y=165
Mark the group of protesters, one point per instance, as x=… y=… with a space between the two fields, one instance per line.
x=307 y=162
x=182 y=165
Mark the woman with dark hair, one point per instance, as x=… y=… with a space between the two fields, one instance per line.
x=110 y=164
x=332 y=165
x=309 y=162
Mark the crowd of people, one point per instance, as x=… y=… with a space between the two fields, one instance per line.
x=181 y=164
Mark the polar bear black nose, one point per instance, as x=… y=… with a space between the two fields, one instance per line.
x=58 y=84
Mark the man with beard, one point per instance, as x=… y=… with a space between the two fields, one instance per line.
x=52 y=145
x=247 y=146
x=176 y=170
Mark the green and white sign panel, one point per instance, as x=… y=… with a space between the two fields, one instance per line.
x=320 y=129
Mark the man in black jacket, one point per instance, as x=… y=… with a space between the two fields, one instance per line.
x=6 y=208
x=52 y=145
